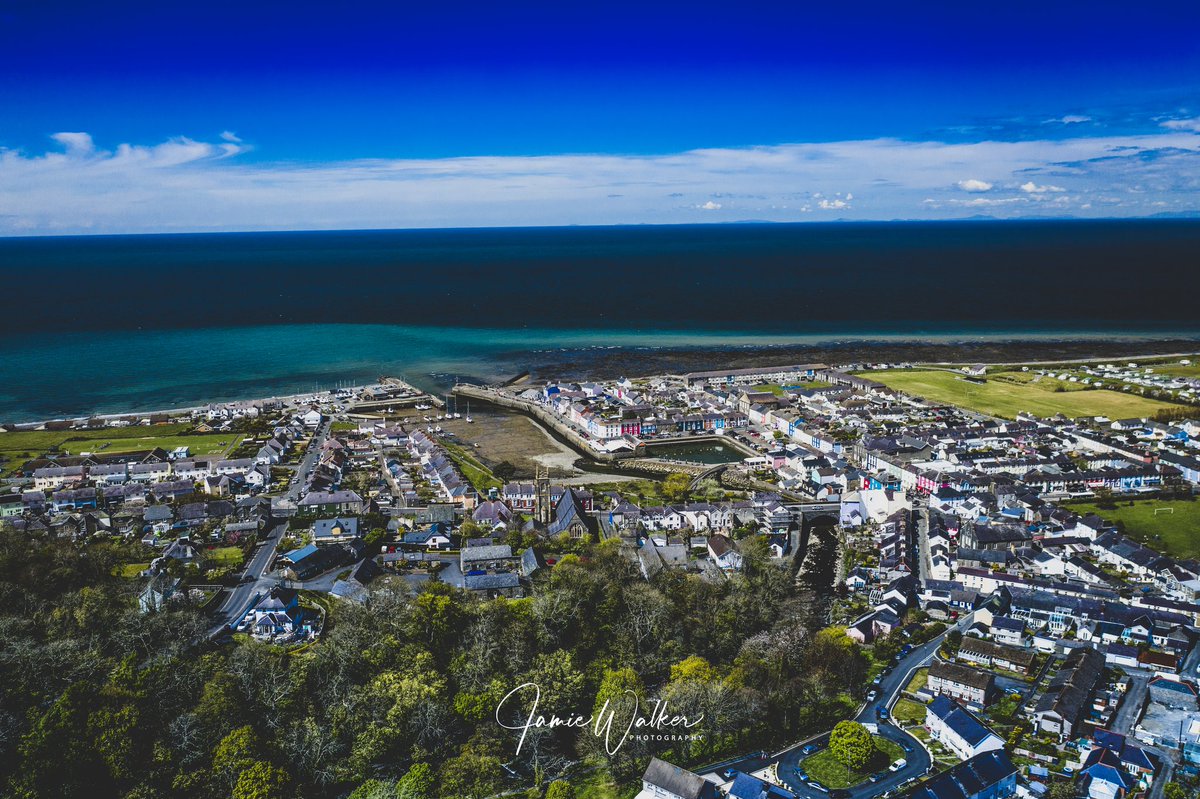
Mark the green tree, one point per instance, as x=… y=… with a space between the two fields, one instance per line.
x=1173 y=790
x=851 y=744
x=374 y=789
x=235 y=753
x=471 y=775
x=562 y=790
x=417 y=782
x=261 y=781
x=675 y=487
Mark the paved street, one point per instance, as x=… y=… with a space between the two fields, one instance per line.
x=889 y=689
x=246 y=593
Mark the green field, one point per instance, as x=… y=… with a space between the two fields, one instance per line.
x=830 y=772
x=226 y=556
x=1007 y=399
x=22 y=445
x=1175 y=531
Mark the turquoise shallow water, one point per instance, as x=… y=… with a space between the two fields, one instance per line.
x=121 y=323
x=52 y=375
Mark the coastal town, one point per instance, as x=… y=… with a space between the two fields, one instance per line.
x=1023 y=587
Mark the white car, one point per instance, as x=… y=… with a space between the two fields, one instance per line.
x=899 y=764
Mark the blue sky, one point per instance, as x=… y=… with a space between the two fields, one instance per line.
x=270 y=115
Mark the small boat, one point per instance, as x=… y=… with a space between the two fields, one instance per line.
x=475 y=445
x=428 y=428
x=437 y=429
x=470 y=420
x=457 y=415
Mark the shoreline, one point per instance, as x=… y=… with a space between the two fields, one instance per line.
x=643 y=361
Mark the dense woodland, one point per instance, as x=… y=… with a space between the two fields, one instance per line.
x=398 y=699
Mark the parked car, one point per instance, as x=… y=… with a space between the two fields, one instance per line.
x=899 y=764
x=871 y=695
x=810 y=748
x=729 y=773
x=876 y=777
x=881 y=712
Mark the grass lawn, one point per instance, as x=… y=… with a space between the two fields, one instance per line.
x=830 y=772
x=342 y=427
x=918 y=681
x=130 y=570
x=909 y=711
x=1007 y=399
x=1173 y=532
x=476 y=473
x=226 y=556
x=598 y=785
x=22 y=445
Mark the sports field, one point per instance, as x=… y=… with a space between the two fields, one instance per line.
x=1170 y=527
x=22 y=445
x=1001 y=397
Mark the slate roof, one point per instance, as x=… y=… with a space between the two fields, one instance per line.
x=969 y=778
x=962 y=675
x=678 y=781
x=960 y=720
x=746 y=786
x=1006 y=623
x=484 y=582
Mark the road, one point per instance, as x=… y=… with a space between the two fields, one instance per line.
x=889 y=690
x=246 y=593
x=1131 y=704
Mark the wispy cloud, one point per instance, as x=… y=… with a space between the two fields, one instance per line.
x=1030 y=187
x=1192 y=124
x=184 y=184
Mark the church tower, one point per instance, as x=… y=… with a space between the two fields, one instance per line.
x=544 y=507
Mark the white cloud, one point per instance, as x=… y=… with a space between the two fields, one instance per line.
x=1192 y=124
x=229 y=135
x=1071 y=119
x=182 y=184
x=1033 y=188
x=974 y=185
x=78 y=144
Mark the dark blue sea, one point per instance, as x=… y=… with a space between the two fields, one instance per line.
x=114 y=323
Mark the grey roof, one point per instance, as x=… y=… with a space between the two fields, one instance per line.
x=962 y=675
x=491 y=552
x=483 y=582
x=158 y=513
x=968 y=779
x=678 y=781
